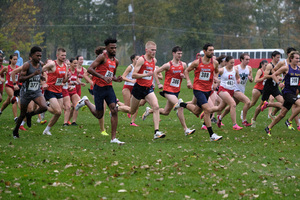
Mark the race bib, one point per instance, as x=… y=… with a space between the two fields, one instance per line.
x=294 y=81
x=243 y=82
x=33 y=86
x=175 y=82
x=109 y=74
x=59 y=81
x=204 y=76
x=146 y=77
x=65 y=86
x=16 y=76
x=230 y=83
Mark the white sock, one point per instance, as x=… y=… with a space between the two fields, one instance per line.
x=22 y=124
x=47 y=128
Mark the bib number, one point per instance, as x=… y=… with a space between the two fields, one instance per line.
x=59 y=81
x=146 y=77
x=66 y=86
x=294 y=81
x=204 y=76
x=109 y=74
x=175 y=82
x=16 y=77
x=33 y=86
x=230 y=83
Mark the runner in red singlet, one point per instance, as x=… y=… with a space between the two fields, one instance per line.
x=57 y=75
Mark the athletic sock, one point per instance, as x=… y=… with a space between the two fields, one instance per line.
x=156 y=131
x=210 y=131
x=47 y=128
x=182 y=104
x=23 y=122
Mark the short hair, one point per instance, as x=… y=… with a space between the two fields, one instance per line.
x=149 y=43
x=221 y=58
x=205 y=47
x=110 y=40
x=99 y=50
x=275 y=53
x=11 y=57
x=242 y=56
x=72 y=59
x=262 y=63
x=35 y=49
x=292 y=55
x=78 y=56
x=228 y=58
x=60 y=49
x=176 y=48
x=132 y=57
x=289 y=50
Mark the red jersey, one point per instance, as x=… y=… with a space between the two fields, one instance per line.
x=2 y=76
x=145 y=69
x=260 y=85
x=173 y=79
x=80 y=74
x=106 y=69
x=55 y=79
x=204 y=76
x=72 y=80
x=9 y=81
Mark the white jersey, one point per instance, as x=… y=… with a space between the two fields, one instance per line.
x=244 y=73
x=228 y=79
x=129 y=76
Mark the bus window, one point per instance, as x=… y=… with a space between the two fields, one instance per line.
x=263 y=54
x=228 y=53
x=234 y=55
x=269 y=54
x=239 y=54
x=252 y=55
x=217 y=54
x=257 y=55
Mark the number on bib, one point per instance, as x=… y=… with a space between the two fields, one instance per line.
x=204 y=76
x=175 y=82
x=146 y=77
x=230 y=83
x=33 y=86
x=109 y=74
x=59 y=81
x=16 y=78
x=294 y=81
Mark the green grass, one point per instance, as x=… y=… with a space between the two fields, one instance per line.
x=80 y=163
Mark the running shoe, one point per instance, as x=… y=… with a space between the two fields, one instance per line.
x=298 y=128
x=15 y=119
x=16 y=135
x=215 y=137
x=264 y=106
x=203 y=127
x=84 y=107
x=158 y=135
x=69 y=123
x=117 y=141
x=189 y=131
x=202 y=115
x=74 y=124
x=177 y=105
x=133 y=124
x=214 y=120
x=253 y=123
x=65 y=124
x=268 y=131
x=245 y=123
x=43 y=122
x=81 y=103
x=22 y=128
x=104 y=133
x=28 y=119
x=289 y=125
x=219 y=121
x=46 y=132
x=128 y=115
x=146 y=113
x=237 y=127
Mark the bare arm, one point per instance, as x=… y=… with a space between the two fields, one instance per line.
x=99 y=60
x=192 y=67
x=165 y=67
x=137 y=67
x=282 y=70
x=23 y=73
x=250 y=76
x=258 y=74
x=126 y=72
x=86 y=77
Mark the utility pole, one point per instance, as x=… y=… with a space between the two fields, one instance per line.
x=131 y=10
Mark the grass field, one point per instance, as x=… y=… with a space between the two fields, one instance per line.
x=80 y=163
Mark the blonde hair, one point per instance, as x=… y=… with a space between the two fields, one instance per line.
x=150 y=43
x=292 y=55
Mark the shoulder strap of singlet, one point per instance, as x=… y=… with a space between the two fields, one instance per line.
x=272 y=64
x=171 y=64
x=200 y=60
x=212 y=60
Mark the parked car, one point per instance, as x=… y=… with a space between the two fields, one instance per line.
x=87 y=62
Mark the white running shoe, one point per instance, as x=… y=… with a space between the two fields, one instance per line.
x=189 y=131
x=158 y=135
x=146 y=113
x=215 y=137
x=117 y=141
x=177 y=105
x=46 y=132
x=81 y=103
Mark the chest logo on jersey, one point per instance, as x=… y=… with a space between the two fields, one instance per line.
x=111 y=66
x=62 y=72
x=148 y=67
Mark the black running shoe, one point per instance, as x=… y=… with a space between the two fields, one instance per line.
x=74 y=124
x=16 y=134
x=214 y=120
x=268 y=131
x=28 y=119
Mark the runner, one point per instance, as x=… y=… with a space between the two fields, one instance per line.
x=206 y=70
x=57 y=75
x=1 y=78
x=291 y=84
x=103 y=70
x=30 y=91
x=174 y=73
